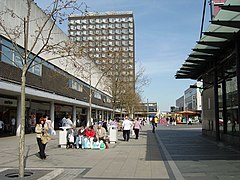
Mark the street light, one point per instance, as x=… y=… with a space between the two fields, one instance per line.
x=147 y=110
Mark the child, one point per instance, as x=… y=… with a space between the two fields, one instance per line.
x=70 y=138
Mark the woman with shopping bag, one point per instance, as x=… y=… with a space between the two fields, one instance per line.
x=43 y=137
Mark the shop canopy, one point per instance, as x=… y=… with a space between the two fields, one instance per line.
x=188 y=112
x=220 y=34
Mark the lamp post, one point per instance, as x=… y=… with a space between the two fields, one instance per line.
x=147 y=110
x=90 y=96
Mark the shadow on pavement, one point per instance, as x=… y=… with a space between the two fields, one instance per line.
x=189 y=144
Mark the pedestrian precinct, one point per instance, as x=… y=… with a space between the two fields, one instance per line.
x=136 y=127
x=41 y=130
x=126 y=125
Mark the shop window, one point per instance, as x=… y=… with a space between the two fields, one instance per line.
x=97 y=95
x=14 y=58
x=18 y=60
x=73 y=84
x=232 y=105
x=7 y=55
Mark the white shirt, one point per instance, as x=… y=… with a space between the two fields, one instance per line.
x=49 y=124
x=1 y=124
x=13 y=121
x=127 y=124
x=64 y=121
x=68 y=122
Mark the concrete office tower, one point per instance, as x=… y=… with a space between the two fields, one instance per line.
x=108 y=39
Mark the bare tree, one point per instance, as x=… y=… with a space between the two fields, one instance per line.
x=95 y=76
x=127 y=95
x=36 y=36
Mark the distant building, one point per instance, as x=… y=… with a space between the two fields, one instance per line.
x=192 y=98
x=172 y=108
x=180 y=104
x=148 y=109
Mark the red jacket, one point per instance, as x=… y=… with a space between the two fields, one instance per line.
x=90 y=134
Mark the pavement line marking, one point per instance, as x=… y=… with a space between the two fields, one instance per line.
x=52 y=174
x=170 y=161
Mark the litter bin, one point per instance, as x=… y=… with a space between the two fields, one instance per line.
x=63 y=137
x=113 y=134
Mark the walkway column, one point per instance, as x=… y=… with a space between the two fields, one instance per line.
x=88 y=117
x=18 y=116
x=52 y=110
x=216 y=103
x=74 y=118
x=96 y=115
x=238 y=77
x=102 y=115
x=224 y=106
x=107 y=114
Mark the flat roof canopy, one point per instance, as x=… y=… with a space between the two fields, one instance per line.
x=221 y=33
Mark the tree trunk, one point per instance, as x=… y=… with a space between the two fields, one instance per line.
x=22 y=125
x=90 y=107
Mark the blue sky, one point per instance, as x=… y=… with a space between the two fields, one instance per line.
x=165 y=33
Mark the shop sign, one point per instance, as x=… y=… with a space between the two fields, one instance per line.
x=11 y=102
x=8 y=102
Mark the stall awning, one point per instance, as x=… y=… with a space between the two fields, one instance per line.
x=220 y=34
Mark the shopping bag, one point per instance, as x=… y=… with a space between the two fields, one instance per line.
x=45 y=138
x=71 y=139
x=102 y=145
x=86 y=143
x=53 y=132
x=96 y=145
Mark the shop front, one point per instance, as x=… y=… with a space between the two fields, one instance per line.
x=215 y=61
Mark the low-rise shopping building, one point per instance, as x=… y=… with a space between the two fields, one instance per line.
x=54 y=88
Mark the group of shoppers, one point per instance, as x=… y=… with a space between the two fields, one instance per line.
x=7 y=127
x=78 y=138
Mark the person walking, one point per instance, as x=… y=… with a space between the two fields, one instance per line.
x=137 y=127
x=41 y=130
x=68 y=122
x=50 y=126
x=153 y=124
x=13 y=125
x=126 y=125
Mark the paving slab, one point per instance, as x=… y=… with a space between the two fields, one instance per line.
x=136 y=159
